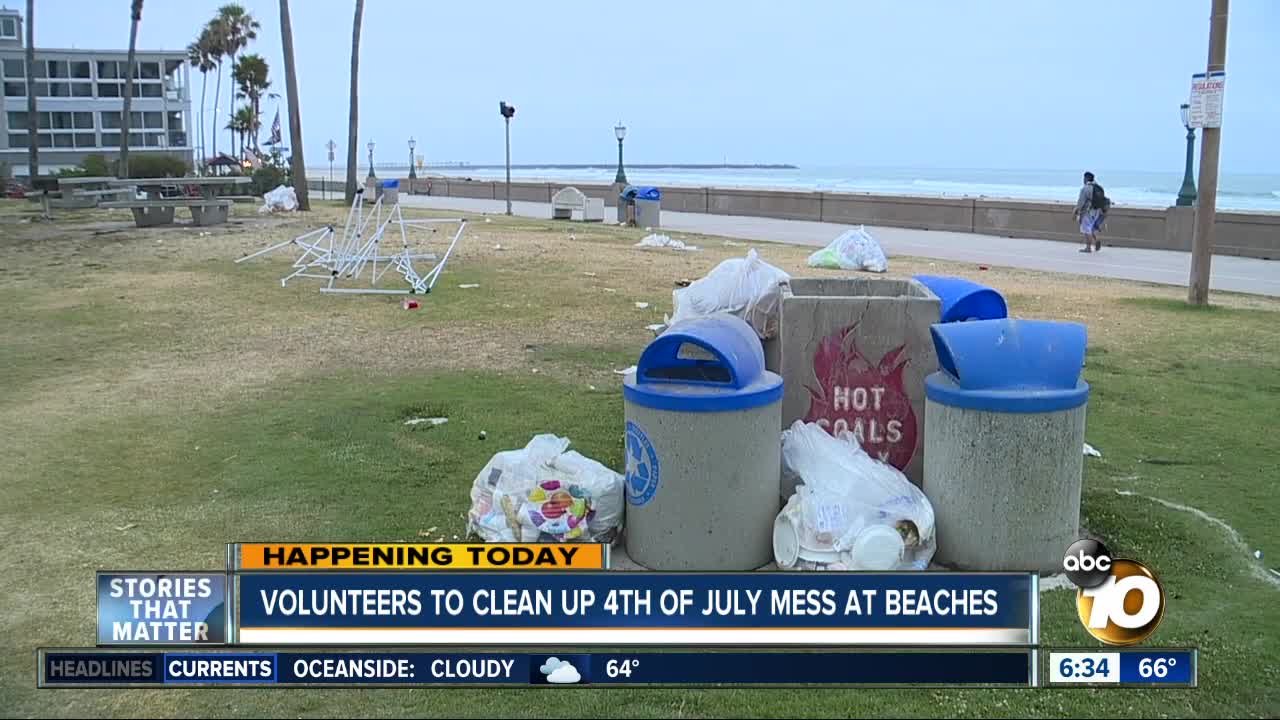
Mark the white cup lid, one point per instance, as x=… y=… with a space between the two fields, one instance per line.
x=877 y=547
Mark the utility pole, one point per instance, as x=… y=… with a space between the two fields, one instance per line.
x=1202 y=245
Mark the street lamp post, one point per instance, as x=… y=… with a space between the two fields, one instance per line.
x=620 y=131
x=507 y=111
x=1187 y=195
x=330 y=146
x=371 y=175
x=412 y=175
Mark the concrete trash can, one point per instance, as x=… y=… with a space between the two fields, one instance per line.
x=390 y=191
x=640 y=205
x=963 y=300
x=703 y=451
x=1004 y=432
x=855 y=353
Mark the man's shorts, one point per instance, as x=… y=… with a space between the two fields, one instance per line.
x=1091 y=222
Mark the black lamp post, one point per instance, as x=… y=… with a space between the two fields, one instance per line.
x=1187 y=194
x=620 y=131
x=412 y=144
x=507 y=111
x=371 y=175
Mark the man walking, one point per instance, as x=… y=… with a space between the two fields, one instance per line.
x=1091 y=211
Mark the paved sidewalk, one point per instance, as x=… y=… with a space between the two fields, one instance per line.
x=1167 y=267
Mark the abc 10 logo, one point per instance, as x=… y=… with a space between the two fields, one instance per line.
x=1120 y=602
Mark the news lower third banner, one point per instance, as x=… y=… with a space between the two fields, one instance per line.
x=88 y=668
x=635 y=608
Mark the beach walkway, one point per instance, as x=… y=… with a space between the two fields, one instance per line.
x=1166 y=267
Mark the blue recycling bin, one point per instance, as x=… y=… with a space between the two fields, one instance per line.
x=703 y=455
x=965 y=300
x=390 y=191
x=640 y=205
x=1004 y=441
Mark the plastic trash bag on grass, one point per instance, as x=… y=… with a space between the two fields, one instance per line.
x=543 y=493
x=850 y=512
x=855 y=249
x=282 y=199
x=747 y=287
x=658 y=240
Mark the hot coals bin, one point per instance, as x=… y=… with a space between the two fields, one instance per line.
x=702 y=449
x=1004 y=433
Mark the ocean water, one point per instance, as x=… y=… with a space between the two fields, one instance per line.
x=1248 y=192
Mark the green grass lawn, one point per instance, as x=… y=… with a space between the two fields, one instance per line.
x=160 y=401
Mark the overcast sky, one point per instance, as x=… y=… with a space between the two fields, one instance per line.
x=920 y=83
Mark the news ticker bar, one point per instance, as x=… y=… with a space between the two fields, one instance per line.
x=94 y=668
x=583 y=608
x=383 y=557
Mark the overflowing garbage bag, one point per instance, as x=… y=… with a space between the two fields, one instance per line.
x=746 y=287
x=850 y=512
x=543 y=493
x=282 y=199
x=855 y=249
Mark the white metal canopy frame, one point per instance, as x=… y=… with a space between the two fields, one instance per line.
x=328 y=256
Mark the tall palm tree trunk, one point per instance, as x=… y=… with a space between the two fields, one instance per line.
x=123 y=170
x=295 y=110
x=291 y=86
x=204 y=86
x=353 y=118
x=217 y=99
x=33 y=118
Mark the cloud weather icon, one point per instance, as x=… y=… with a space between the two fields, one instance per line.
x=566 y=674
x=551 y=665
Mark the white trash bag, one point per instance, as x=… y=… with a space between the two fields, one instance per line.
x=850 y=512
x=282 y=199
x=660 y=240
x=747 y=287
x=543 y=493
x=855 y=249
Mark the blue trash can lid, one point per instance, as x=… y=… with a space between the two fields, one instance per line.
x=1009 y=366
x=964 y=300
x=641 y=192
x=390 y=183
x=710 y=364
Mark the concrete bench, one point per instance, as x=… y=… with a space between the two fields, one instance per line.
x=569 y=200
x=149 y=213
x=241 y=198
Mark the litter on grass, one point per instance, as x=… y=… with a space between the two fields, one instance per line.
x=658 y=240
x=432 y=420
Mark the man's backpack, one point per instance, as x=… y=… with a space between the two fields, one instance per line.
x=1100 y=200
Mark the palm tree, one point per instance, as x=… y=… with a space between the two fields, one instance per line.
x=250 y=75
x=33 y=119
x=136 y=14
x=353 y=116
x=291 y=86
x=215 y=33
x=244 y=124
x=295 y=112
x=201 y=56
x=238 y=27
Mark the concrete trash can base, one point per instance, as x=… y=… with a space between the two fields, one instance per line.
x=1004 y=428
x=702 y=449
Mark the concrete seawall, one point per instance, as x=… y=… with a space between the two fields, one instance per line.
x=1255 y=235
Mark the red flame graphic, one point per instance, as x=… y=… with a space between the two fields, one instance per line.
x=868 y=400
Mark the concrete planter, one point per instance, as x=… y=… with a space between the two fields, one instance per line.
x=855 y=352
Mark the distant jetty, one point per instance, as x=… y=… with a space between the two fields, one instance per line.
x=639 y=166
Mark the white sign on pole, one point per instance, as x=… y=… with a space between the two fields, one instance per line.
x=1206 y=99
